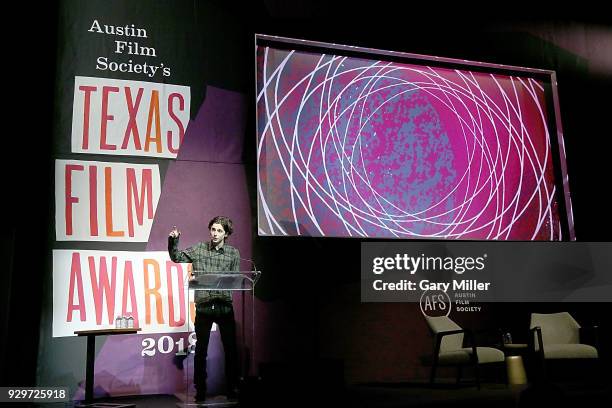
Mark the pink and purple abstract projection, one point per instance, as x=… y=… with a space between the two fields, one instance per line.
x=353 y=147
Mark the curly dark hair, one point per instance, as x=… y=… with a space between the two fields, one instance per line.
x=225 y=222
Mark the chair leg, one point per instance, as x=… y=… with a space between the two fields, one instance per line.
x=543 y=376
x=477 y=374
x=459 y=369
x=599 y=370
x=432 y=376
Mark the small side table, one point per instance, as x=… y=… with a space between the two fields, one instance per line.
x=91 y=354
x=515 y=368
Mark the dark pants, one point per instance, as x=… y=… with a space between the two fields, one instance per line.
x=222 y=313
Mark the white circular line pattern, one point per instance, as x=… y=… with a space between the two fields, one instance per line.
x=362 y=148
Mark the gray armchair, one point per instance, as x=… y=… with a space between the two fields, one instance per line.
x=557 y=336
x=449 y=350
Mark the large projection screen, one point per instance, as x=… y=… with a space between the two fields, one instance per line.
x=355 y=142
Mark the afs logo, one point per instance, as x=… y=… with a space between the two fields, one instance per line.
x=435 y=303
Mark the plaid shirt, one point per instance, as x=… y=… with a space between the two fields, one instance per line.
x=204 y=258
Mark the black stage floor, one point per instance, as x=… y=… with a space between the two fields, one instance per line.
x=398 y=395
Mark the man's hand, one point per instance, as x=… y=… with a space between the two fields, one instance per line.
x=175 y=232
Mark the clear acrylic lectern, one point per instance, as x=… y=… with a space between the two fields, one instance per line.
x=243 y=281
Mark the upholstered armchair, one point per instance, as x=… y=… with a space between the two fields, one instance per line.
x=449 y=350
x=557 y=336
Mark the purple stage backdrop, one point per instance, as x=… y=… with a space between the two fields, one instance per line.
x=196 y=188
x=354 y=147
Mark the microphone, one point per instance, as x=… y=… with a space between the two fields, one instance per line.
x=253 y=263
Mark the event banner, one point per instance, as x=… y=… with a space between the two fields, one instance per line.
x=142 y=141
x=103 y=201
x=135 y=118
x=92 y=288
x=463 y=273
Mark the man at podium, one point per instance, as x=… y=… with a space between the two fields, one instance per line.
x=214 y=256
